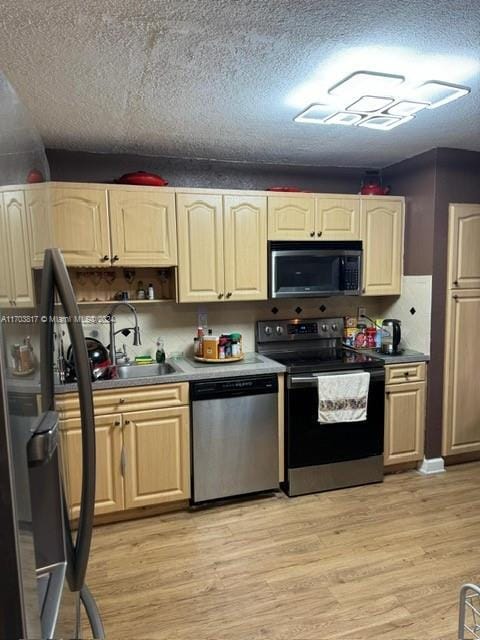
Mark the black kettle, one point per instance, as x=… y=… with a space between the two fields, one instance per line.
x=391 y=336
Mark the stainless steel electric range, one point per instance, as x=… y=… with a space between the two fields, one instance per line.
x=320 y=457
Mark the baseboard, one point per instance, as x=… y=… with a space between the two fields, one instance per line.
x=431 y=466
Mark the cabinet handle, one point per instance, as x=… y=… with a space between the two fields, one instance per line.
x=363 y=290
x=229 y=294
x=387 y=393
x=406 y=374
x=312 y=234
x=220 y=296
x=319 y=233
x=122 y=400
x=104 y=259
x=127 y=421
x=115 y=258
x=116 y=423
x=123 y=462
x=455 y=282
x=455 y=298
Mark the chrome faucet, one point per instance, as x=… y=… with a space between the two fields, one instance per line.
x=111 y=320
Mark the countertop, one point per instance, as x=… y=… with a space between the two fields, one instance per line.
x=253 y=364
x=408 y=355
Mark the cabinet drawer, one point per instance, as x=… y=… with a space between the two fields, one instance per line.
x=126 y=399
x=407 y=372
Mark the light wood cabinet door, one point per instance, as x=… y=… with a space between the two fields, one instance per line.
x=200 y=248
x=245 y=244
x=80 y=225
x=143 y=229
x=464 y=243
x=337 y=218
x=37 y=202
x=291 y=218
x=19 y=249
x=109 y=481
x=157 y=456
x=6 y=295
x=404 y=422
x=382 y=235
x=461 y=410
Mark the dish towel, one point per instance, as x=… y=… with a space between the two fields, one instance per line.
x=343 y=398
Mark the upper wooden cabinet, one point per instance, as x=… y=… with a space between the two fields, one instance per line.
x=16 y=283
x=245 y=246
x=291 y=218
x=37 y=202
x=143 y=227
x=337 y=218
x=464 y=243
x=461 y=407
x=80 y=225
x=382 y=235
x=201 y=275
x=222 y=248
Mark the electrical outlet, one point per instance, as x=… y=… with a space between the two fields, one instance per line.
x=361 y=312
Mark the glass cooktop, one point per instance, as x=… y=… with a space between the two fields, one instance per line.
x=321 y=359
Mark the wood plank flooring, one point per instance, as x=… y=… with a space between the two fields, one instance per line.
x=381 y=561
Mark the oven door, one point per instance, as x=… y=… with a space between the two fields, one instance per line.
x=327 y=456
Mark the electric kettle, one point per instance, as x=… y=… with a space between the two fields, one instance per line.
x=391 y=336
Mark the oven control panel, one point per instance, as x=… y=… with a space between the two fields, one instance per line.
x=299 y=329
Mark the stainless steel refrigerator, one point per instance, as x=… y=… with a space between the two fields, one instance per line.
x=42 y=586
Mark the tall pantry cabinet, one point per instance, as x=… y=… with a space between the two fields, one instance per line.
x=461 y=410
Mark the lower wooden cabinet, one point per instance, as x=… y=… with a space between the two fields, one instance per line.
x=109 y=493
x=404 y=422
x=143 y=456
x=157 y=456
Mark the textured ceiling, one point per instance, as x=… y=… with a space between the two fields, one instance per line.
x=224 y=78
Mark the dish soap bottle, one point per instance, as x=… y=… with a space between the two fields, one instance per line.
x=160 y=353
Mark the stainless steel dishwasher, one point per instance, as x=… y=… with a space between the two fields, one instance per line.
x=234 y=436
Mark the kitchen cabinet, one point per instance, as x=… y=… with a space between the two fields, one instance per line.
x=80 y=224
x=461 y=407
x=382 y=236
x=157 y=456
x=404 y=422
x=37 y=202
x=143 y=229
x=291 y=218
x=464 y=243
x=222 y=248
x=337 y=218
x=16 y=283
x=143 y=446
x=109 y=480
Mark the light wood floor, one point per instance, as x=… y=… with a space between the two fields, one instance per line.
x=382 y=561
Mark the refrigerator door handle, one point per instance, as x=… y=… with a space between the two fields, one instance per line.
x=55 y=273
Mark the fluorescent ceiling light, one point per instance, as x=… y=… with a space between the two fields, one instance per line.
x=406 y=108
x=437 y=93
x=345 y=118
x=316 y=113
x=384 y=123
x=370 y=103
x=362 y=83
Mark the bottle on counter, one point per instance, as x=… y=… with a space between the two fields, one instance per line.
x=371 y=337
x=140 y=291
x=236 y=340
x=210 y=346
x=150 y=292
x=160 y=352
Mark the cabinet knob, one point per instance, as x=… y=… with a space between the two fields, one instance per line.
x=117 y=423
x=455 y=298
x=115 y=258
x=407 y=373
x=363 y=290
x=104 y=259
x=312 y=234
x=229 y=294
x=127 y=421
x=220 y=296
x=122 y=400
x=319 y=233
x=455 y=282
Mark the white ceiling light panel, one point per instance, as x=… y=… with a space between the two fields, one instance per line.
x=438 y=93
x=363 y=83
x=345 y=118
x=406 y=108
x=367 y=104
x=316 y=113
x=384 y=122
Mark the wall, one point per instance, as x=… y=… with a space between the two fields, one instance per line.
x=80 y=166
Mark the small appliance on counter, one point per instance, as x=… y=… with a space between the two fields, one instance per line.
x=391 y=336
x=217 y=349
x=100 y=363
x=23 y=358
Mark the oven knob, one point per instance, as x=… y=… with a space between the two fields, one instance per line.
x=324 y=327
x=279 y=331
x=268 y=331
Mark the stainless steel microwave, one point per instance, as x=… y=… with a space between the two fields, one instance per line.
x=315 y=269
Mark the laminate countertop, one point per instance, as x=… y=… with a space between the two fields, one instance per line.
x=408 y=355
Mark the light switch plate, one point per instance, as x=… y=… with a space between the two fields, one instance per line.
x=361 y=312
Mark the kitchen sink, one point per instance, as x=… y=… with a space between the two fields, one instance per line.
x=126 y=372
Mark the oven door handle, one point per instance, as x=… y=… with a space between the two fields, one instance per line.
x=296 y=382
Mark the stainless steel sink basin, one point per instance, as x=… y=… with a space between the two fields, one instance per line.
x=126 y=372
